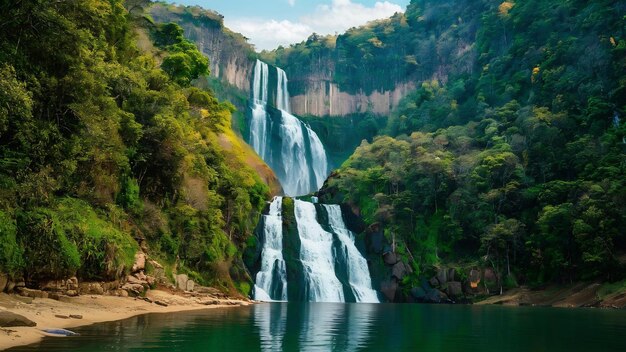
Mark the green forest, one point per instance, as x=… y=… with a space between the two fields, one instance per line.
x=511 y=154
x=106 y=147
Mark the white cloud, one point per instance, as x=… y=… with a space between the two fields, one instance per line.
x=291 y=2
x=344 y=14
x=339 y=16
x=270 y=34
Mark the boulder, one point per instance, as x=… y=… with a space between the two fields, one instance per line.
x=90 y=288
x=389 y=288
x=72 y=293
x=490 y=279
x=209 y=291
x=399 y=270
x=442 y=276
x=455 y=289
x=434 y=282
x=118 y=293
x=418 y=293
x=72 y=284
x=435 y=296
x=55 y=286
x=27 y=292
x=111 y=285
x=140 y=262
x=451 y=274
x=9 y=320
x=10 y=286
x=4 y=280
x=181 y=281
x=133 y=289
x=190 y=285
x=132 y=279
x=390 y=258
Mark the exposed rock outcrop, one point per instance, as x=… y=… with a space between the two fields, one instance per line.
x=324 y=98
x=140 y=262
x=8 y=319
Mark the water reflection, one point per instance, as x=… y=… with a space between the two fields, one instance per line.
x=318 y=326
x=271 y=320
x=355 y=327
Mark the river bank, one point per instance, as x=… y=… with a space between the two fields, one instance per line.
x=577 y=295
x=91 y=309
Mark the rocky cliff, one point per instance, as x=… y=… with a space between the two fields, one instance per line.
x=372 y=67
x=325 y=98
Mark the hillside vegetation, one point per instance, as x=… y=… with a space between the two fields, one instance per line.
x=511 y=154
x=106 y=149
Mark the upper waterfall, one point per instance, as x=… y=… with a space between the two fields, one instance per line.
x=288 y=145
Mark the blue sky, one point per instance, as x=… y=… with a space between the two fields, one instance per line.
x=269 y=23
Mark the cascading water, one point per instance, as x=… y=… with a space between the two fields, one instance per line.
x=332 y=268
x=317 y=257
x=259 y=120
x=287 y=145
x=282 y=93
x=271 y=280
x=358 y=273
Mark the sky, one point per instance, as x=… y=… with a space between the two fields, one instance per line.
x=270 y=23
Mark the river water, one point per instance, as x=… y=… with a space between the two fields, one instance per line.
x=356 y=327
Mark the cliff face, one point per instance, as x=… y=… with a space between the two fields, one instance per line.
x=372 y=67
x=324 y=98
x=231 y=57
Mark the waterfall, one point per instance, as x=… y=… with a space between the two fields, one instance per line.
x=289 y=146
x=282 y=93
x=316 y=255
x=259 y=120
x=328 y=263
x=271 y=280
x=358 y=273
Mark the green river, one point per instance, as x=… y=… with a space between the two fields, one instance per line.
x=356 y=327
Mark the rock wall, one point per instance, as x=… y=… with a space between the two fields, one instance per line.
x=230 y=65
x=324 y=98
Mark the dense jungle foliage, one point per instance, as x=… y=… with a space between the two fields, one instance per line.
x=511 y=153
x=107 y=147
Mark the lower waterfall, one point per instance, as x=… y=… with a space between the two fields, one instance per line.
x=271 y=280
x=326 y=264
x=317 y=257
x=358 y=273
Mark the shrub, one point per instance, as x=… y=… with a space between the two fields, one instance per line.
x=11 y=252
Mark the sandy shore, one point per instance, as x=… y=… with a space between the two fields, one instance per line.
x=93 y=309
x=576 y=295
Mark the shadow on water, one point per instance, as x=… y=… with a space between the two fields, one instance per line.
x=355 y=327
